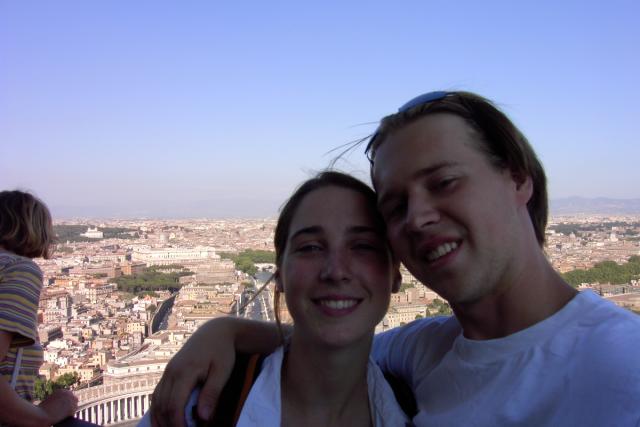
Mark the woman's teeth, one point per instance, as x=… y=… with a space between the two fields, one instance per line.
x=338 y=304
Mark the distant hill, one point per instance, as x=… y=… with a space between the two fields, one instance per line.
x=598 y=205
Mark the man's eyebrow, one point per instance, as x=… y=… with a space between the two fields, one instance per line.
x=434 y=168
x=421 y=173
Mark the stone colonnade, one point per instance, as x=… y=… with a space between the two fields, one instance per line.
x=116 y=410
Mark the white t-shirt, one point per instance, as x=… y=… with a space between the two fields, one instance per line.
x=579 y=367
x=262 y=407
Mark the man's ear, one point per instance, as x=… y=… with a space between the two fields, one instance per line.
x=397 y=280
x=278 y=281
x=524 y=189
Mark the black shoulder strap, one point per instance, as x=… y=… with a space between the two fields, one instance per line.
x=404 y=395
x=235 y=392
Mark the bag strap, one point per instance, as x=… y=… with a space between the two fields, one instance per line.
x=235 y=392
x=16 y=369
x=251 y=374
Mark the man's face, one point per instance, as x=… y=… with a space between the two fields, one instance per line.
x=453 y=219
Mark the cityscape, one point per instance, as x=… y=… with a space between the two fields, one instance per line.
x=121 y=297
x=163 y=138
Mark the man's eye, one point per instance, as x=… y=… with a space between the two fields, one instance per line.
x=393 y=211
x=445 y=183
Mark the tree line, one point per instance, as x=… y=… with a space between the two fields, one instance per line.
x=245 y=261
x=606 y=272
x=579 y=228
x=73 y=233
x=151 y=280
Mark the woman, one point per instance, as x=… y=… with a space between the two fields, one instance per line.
x=336 y=271
x=25 y=233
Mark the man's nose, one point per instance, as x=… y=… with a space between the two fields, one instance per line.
x=421 y=212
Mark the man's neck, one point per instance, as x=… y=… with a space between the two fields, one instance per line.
x=531 y=293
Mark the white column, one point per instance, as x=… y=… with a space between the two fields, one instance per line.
x=100 y=407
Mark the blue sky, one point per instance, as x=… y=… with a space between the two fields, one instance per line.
x=199 y=108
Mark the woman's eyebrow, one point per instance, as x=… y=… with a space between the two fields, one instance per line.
x=354 y=229
x=360 y=229
x=314 y=229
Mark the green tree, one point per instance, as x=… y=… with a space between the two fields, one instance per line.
x=150 y=281
x=245 y=261
x=606 y=272
x=67 y=380
x=42 y=388
x=405 y=286
x=438 y=307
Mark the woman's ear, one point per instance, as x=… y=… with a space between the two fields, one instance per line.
x=397 y=280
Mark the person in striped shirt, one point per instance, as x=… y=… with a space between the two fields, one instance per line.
x=26 y=232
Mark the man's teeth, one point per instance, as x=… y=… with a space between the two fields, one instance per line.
x=441 y=251
x=338 y=304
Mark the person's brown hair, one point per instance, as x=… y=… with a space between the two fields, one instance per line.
x=25 y=225
x=505 y=146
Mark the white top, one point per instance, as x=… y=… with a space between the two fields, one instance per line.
x=262 y=407
x=580 y=366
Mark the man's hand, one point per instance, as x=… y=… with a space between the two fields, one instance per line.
x=207 y=358
x=59 y=405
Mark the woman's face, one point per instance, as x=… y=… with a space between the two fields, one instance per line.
x=337 y=273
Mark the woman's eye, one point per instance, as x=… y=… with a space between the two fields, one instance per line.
x=366 y=246
x=310 y=247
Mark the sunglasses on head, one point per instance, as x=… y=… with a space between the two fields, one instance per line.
x=423 y=99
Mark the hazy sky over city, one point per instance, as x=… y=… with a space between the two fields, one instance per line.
x=202 y=108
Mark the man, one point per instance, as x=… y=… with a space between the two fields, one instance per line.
x=464 y=199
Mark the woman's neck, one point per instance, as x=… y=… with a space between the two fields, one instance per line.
x=325 y=386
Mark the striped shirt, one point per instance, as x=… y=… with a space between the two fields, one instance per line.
x=20 y=286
